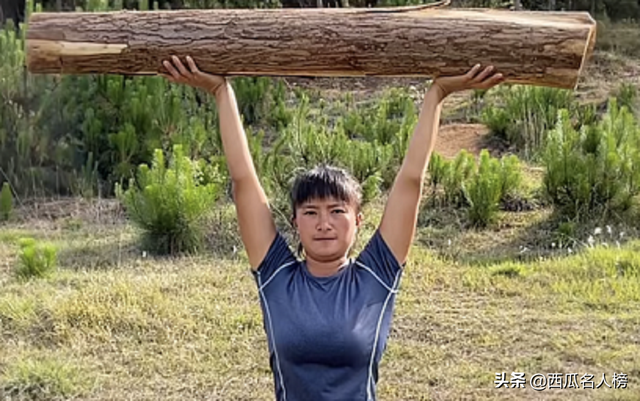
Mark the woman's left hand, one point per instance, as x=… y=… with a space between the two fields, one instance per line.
x=476 y=78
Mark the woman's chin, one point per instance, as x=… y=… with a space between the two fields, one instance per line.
x=328 y=253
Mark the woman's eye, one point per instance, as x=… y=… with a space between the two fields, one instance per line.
x=339 y=210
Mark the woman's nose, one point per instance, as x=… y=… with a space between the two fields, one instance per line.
x=324 y=222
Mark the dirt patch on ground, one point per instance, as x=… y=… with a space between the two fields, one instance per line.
x=604 y=74
x=472 y=137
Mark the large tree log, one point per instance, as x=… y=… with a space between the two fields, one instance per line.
x=536 y=48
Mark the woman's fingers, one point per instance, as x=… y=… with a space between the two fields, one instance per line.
x=175 y=74
x=483 y=75
x=181 y=67
x=472 y=73
x=192 y=65
x=494 y=80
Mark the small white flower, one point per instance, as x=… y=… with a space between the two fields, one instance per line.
x=609 y=230
x=144 y=254
x=591 y=240
x=618 y=244
x=597 y=231
x=553 y=245
x=605 y=245
x=622 y=234
x=569 y=250
x=449 y=242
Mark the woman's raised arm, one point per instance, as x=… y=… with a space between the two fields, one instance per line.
x=255 y=219
x=401 y=212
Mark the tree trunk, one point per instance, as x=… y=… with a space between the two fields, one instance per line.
x=537 y=48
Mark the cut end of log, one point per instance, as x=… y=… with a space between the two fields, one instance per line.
x=74 y=49
x=588 y=51
x=53 y=51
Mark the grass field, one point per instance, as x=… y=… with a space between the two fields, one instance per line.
x=114 y=324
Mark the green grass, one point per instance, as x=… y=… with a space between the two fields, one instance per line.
x=135 y=327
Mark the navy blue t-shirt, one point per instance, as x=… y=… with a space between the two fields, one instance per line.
x=326 y=335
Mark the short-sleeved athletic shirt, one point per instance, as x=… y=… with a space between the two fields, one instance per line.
x=326 y=335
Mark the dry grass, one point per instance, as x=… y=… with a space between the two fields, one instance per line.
x=113 y=323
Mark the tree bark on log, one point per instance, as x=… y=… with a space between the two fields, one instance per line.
x=534 y=48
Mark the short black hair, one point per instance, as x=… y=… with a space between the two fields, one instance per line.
x=323 y=182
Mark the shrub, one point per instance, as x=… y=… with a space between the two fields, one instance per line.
x=388 y=124
x=250 y=92
x=525 y=116
x=436 y=170
x=479 y=186
x=35 y=260
x=627 y=96
x=595 y=168
x=490 y=183
x=451 y=175
x=482 y=191
x=6 y=202
x=510 y=176
x=170 y=203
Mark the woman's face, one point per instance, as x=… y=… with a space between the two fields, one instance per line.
x=327 y=228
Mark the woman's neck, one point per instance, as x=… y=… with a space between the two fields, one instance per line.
x=325 y=269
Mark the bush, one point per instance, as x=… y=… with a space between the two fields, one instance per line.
x=451 y=176
x=250 y=93
x=386 y=126
x=627 y=96
x=6 y=202
x=595 y=168
x=170 y=203
x=490 y=183
x=35 y=260
x=479 y=186
x=525 y=115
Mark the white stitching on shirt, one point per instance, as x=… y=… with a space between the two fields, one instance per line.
x=274 y=274
x=376 y=276
x=375 y=342
x=273 y=341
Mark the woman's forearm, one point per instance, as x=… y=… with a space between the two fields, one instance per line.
x=234 y=140
x=424 y=137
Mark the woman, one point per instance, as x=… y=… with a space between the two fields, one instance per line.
x=327 y=317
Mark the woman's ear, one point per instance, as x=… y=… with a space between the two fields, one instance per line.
x=359 y=219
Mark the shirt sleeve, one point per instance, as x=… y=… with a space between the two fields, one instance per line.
x=278 y=255
x=378 y=258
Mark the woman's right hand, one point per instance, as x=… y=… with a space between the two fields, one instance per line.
x=192 y=76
